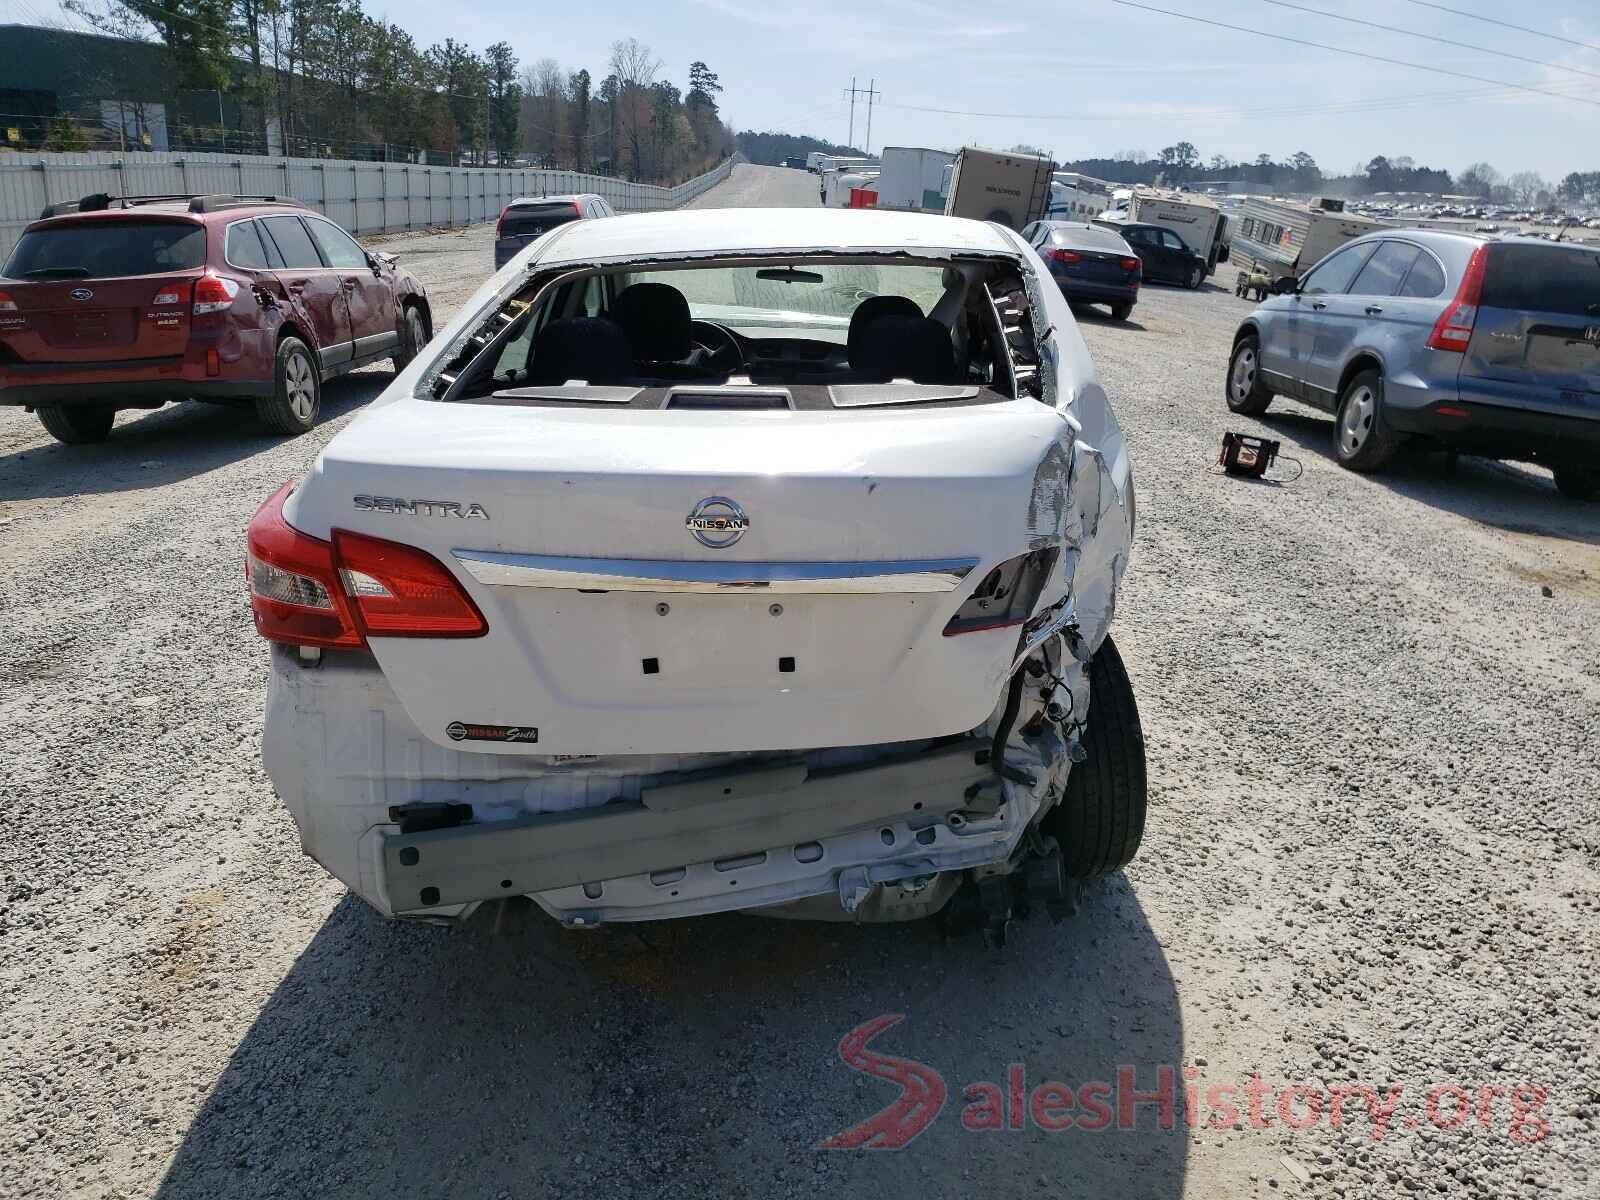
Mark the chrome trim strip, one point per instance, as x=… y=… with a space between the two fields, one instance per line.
x=663 y=575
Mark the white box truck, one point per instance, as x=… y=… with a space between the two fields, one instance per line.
x=991 y=185
x=1194 y=218
x=912 y=178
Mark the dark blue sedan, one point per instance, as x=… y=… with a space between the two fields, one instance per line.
x=1091 y=264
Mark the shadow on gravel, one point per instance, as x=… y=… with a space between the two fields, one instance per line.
x=1506 y=495
x=697 y=1058
x=163 y=446
x=1099 y=316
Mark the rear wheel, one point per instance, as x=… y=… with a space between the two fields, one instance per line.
x=76 y=424
x=1245 y=392
x=1362 y=439
x=1100 y=820
x=1196 y=276
x=296 y=393
x=413 y=337
x=1578 y=483
x=1121 y=312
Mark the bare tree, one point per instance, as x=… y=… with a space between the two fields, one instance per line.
x=635 y=69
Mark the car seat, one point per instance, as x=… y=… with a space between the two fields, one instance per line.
x=915 y=348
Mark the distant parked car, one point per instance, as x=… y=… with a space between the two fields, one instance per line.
x=1091 y=264
x=113 y=302
x=1167 y=258
x=1480 y=345
x=527 y=218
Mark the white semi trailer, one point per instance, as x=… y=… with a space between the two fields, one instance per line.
x=912 y=178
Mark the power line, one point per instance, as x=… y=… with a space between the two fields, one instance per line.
x=1428 y=37
x=1332 y=108
x=1393 y=62
x=1471 y=16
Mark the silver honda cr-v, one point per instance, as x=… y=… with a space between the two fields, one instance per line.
x=1482 y=346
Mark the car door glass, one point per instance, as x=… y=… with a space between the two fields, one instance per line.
x=338 y=247
x=1385 y=269
x=1336 y=274
x=1425 y=281
x=1171 y=241
x=293 y=242
x=244 y=247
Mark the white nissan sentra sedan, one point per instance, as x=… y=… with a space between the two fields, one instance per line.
x=717 y=560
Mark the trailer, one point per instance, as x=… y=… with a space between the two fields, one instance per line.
x=989 y=185
x=814 y=161
x=1077 y=197
x=1190 y=215
x=912 y=178
x=1285 y=238
x=831 y=166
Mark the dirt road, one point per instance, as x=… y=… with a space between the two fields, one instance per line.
x=1373 y=859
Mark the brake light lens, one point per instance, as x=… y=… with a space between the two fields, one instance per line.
x=1066 y=256
x=400 y=591
x=1006 y=595
x=1453 y=330
x=501 y=220
x=7 y=304
x=1130 y=264
x=308 y=592
x=213 y=293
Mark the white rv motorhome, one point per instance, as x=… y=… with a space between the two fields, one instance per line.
x=989 y=185
x=1283 y=238
x=913 y=178
x=1193 y=217
x=1075 y=197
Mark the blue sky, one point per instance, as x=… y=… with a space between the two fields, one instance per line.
x=1100 y=77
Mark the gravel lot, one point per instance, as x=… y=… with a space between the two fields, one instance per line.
x=1373 y=708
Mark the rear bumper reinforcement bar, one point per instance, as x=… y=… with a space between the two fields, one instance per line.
x=721 y=815
x=665 y=575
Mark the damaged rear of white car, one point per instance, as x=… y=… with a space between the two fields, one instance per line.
x=717 y=560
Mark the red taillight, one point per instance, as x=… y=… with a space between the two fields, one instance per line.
x=7 y=304
x=1130 y=264
x=294 y=589
x=577 y=210
x=500 y=222
x=1066 y=256
x=1453 y=330
x=400 y=591
x=308 y=592
x=213 y=293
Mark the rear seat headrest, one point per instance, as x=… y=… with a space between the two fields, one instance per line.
x=872 y=309
x=915 y=348
x=656 y=319
x=593 y=349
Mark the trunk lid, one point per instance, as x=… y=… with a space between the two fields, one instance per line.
x=102 y=290
x=1536 y=342
x=592 y=640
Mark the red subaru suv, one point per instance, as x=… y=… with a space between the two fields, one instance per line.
x=115 y=302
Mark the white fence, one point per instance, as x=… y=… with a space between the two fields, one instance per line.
x=364 y=197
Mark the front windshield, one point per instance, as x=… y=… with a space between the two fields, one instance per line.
x=799 y=299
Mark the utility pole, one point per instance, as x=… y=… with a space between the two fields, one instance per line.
x=869 y=92
x=872 y=92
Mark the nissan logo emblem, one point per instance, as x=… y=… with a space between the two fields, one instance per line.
x=81 y=294
x=717 y=522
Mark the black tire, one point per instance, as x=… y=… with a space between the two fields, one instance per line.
x=1195 y=279
x=414 y=335
x=76 y=424
x=1121 y=312
x=296 y=390
x=1099 y=822
x=1578 y=483
x=1362 y=439
x=1242 y=387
